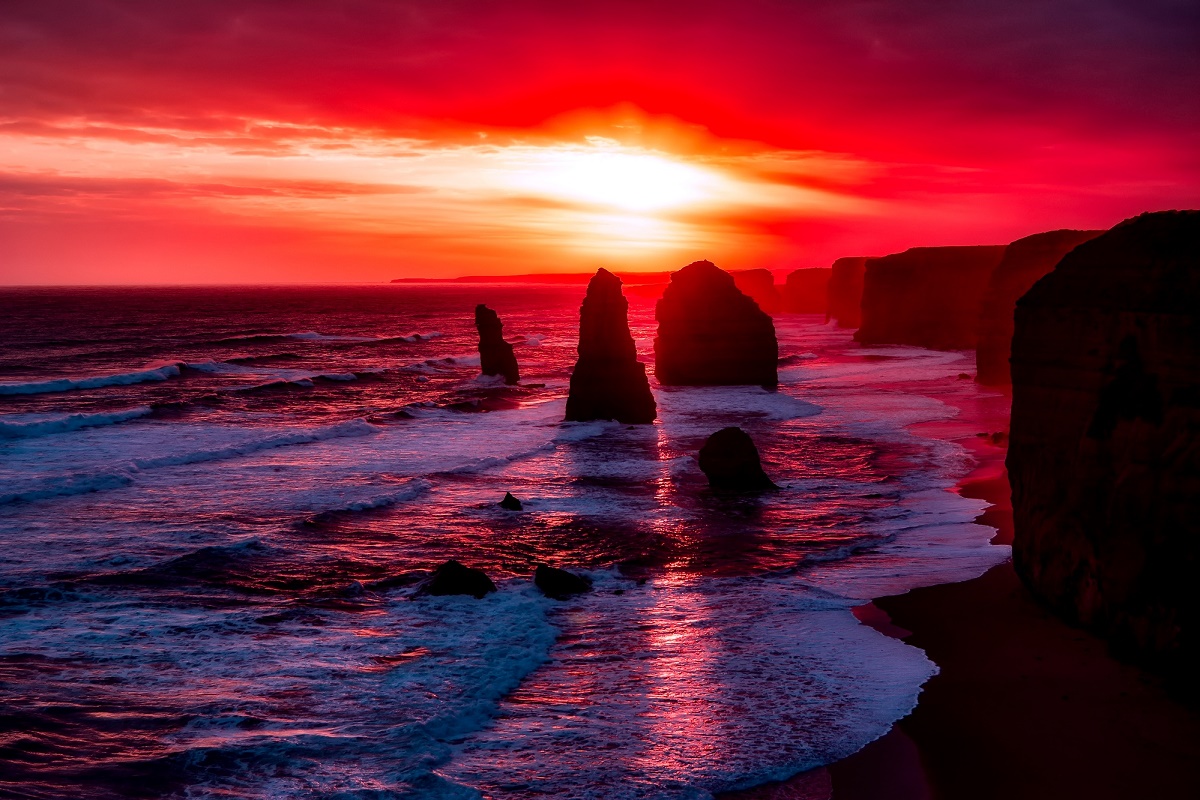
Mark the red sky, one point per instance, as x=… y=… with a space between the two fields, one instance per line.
x=186 y=142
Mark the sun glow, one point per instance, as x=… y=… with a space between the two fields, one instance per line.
x=617 y=178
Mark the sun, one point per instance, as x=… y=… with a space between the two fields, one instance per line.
x=615 y=177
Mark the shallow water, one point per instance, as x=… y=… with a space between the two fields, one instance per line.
x=215 y=503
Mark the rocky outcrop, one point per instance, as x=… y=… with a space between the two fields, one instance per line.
x=453 y=578
x=1104 y=449
x=926 y=296
x=759 y=286
x=711 y=334
x=846 y=291
x=608 y=382
x=510 y=503
x=558 y=583
x=807 y=291
x=1025 y=261
x=495 y=355
x=730 y=461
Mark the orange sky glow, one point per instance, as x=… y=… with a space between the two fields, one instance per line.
x=270 y=142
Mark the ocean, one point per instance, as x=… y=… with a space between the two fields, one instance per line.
x=216 y=503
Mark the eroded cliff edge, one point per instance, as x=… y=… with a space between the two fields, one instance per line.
x=1104 y=455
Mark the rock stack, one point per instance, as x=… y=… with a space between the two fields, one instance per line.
x=927 y=296
x=608 y=382
x=495 y=355
x=807 y=291
x=730 y=461
x=845 y=291
x=1104 y=452
x=759 y=286
x=710 y=334
x=1025 y=260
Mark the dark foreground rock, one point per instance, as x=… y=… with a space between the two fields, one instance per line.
x=807 y=291
x=558 y=583
x=730 y=461
x=926 y=296
x=510 y=503
x=846 y=290
x=1104 y=452
x=453 y=578
x=710 y=334
x=759 y=286
x=1025 y=261
x=495 y=355
x=608 y=382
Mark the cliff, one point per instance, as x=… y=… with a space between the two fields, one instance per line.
x=846 y=290
x=806 y=291
x=495 y=355
x=608 y=382
x=710 y=334
x=1104 y=455
x=926 y=296
x=759 y=286
x=1025 y=261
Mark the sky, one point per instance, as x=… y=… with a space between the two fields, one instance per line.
x=273 y=142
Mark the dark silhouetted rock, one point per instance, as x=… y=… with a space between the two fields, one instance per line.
x=1025 y=260
x=511 y=503
x=759 y=286
x=846 y=291
x=730 y=461
x=453 y=578
x=560 y=584
x=807 y=291
x=495 y=355
x=1104 y=446
x=926 y=296
x=608 y=382
x=710 y=334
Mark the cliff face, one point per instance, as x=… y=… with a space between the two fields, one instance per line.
x=710 y=334
x=1025 y=261
x=495 y=355
x=926 y=296
x=1104 y=455
x=608 y=382
x=807 y=291
x=846 y=290
x=759 y=286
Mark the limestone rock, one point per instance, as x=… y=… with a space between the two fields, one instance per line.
x=558 y=583
x=495 y=355
x=608 y=382
x=730 y=461
x=926 y=296
x=1104 y=448
x=453 y=578
x=807 y=291
x=846 y=291
x=759 y=286
x=710 y=334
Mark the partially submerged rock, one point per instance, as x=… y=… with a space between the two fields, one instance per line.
x=711 y=334
x=560 y=584
x=608 y=382
x=496 y=356
x=1104 y=445
x=510 y=503
x=453 y=578
x=730 y=461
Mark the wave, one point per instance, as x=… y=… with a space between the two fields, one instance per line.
x=84 y=483
x=71 y=422
x=161 y=373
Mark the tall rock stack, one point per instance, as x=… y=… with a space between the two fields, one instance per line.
x=759 y=286
x=927 y=296
x=1025 y=261
x=1104 y=454
x=495 y=355
x=608 y=382
x=710 y=334
x=807 y=291
x=846 y=291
